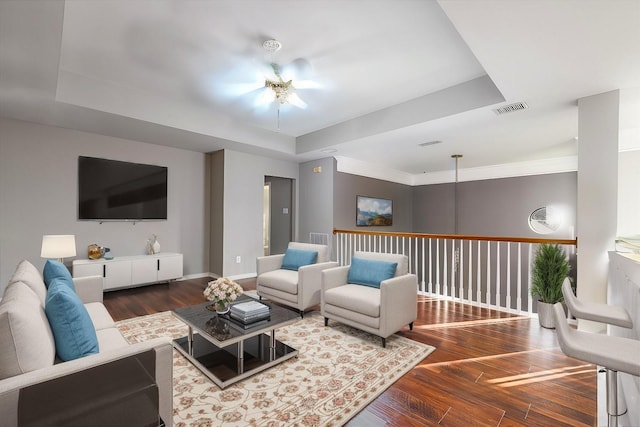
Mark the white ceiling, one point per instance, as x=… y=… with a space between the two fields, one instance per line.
x=394 y=74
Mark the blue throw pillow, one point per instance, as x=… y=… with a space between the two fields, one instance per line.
x=57 y=270
x=73 y=330
x=369 y=272
x=296 y=258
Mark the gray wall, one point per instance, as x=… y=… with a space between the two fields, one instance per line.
x=243 y=190
x=38 y=195
x=215 y=203
x=281 y=223
x=496 y=207
x=347 y=187
x=316 y=198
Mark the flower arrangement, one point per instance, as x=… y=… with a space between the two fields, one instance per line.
x=222 y=291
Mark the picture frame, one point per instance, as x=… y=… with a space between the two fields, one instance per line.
x=373 y=211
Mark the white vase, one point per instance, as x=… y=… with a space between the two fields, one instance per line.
x=155 y=246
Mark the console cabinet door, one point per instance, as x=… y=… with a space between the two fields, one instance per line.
x=117 y=274
x=90 y=269
x=144 y=270
x=169 y=267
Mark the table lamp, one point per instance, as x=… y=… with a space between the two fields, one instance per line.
x=58 y=246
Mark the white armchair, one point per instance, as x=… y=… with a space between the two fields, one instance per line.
x=381 y=310
x=299 y=288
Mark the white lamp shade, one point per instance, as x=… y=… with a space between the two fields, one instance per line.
x=58 y=246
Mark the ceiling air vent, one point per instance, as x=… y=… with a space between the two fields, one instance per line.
x=426 y=144
x=517 y=106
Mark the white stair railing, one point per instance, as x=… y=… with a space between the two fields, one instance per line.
x=486 y=271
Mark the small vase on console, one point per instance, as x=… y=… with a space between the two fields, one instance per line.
x=153 y=246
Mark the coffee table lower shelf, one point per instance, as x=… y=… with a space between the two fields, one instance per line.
x=224 y=366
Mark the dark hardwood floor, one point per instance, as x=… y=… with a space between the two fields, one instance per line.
x=489 y=368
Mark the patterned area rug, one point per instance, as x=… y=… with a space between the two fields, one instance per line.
x=338 y=372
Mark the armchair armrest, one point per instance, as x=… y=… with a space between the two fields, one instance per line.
x=268 y=263
x=10 y=388
x=398 y=302
x=334 y=277
x=310 y=281
x=89 y=288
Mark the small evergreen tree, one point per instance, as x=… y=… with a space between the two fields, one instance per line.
x=550 y=268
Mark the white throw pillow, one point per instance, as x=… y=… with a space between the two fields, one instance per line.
x=26 y=340
x=29 y=275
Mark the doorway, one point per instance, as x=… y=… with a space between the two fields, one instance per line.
x=278 y=214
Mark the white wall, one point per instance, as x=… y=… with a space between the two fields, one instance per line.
x=628 y=194
x=38 y=195
x=243 y=186
x=598 y=130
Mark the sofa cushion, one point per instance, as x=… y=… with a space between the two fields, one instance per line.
x=99 y=315
x=74 y=333
x=323 y=250
x=355 y=298
x=296 y=258
x=26 y=340
x=29 y=275
x=369 y=272
x=57 y=270
x=111 y=339
x=282 y=280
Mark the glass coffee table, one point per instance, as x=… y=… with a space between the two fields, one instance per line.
x=225 y=350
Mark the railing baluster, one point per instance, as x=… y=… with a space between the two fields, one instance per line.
x=507 y=301
x=415 y=257
x=479 y=276
x=519 y=290
x=529 y=299
x=438 y=267
x=422 y=287
x=453 y=269
x=445 y=268
x=460 y=272
x=498 y=274
x=430 y=268
x=489 y=274
x=470 y=285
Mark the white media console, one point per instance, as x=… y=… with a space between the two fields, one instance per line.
x=130 y=271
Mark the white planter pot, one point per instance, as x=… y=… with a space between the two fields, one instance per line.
x=545 y=315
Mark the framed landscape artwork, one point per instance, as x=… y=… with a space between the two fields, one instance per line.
x=372 y=211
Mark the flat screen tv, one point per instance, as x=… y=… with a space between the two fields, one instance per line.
x=121 y=191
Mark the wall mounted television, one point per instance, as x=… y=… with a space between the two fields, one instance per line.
x=113 y=190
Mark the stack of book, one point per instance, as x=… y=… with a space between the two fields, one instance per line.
x=250 y=312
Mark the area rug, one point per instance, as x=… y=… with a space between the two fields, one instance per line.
x=338 y=372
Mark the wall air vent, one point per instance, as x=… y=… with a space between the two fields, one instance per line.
x=426 y=144
x=516 y=106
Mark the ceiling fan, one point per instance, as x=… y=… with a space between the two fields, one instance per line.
x=266 y=84
x=282 y=91
x=282 y=83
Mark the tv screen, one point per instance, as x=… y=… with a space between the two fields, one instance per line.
x=116 y=190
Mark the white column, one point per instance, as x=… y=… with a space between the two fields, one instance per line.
x=598 y=129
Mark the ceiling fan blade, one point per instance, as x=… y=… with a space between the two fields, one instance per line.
x=295 y=100
x=299 y=68
x=306 y=84
x=265 y=97
x=239 y=89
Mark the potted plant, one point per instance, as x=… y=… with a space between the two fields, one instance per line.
x=550 y=268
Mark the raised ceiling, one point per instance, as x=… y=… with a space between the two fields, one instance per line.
x=394 y=74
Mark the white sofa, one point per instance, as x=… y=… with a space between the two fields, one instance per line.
x=100 y=387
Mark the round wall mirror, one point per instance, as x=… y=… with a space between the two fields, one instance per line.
x=544 y=220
